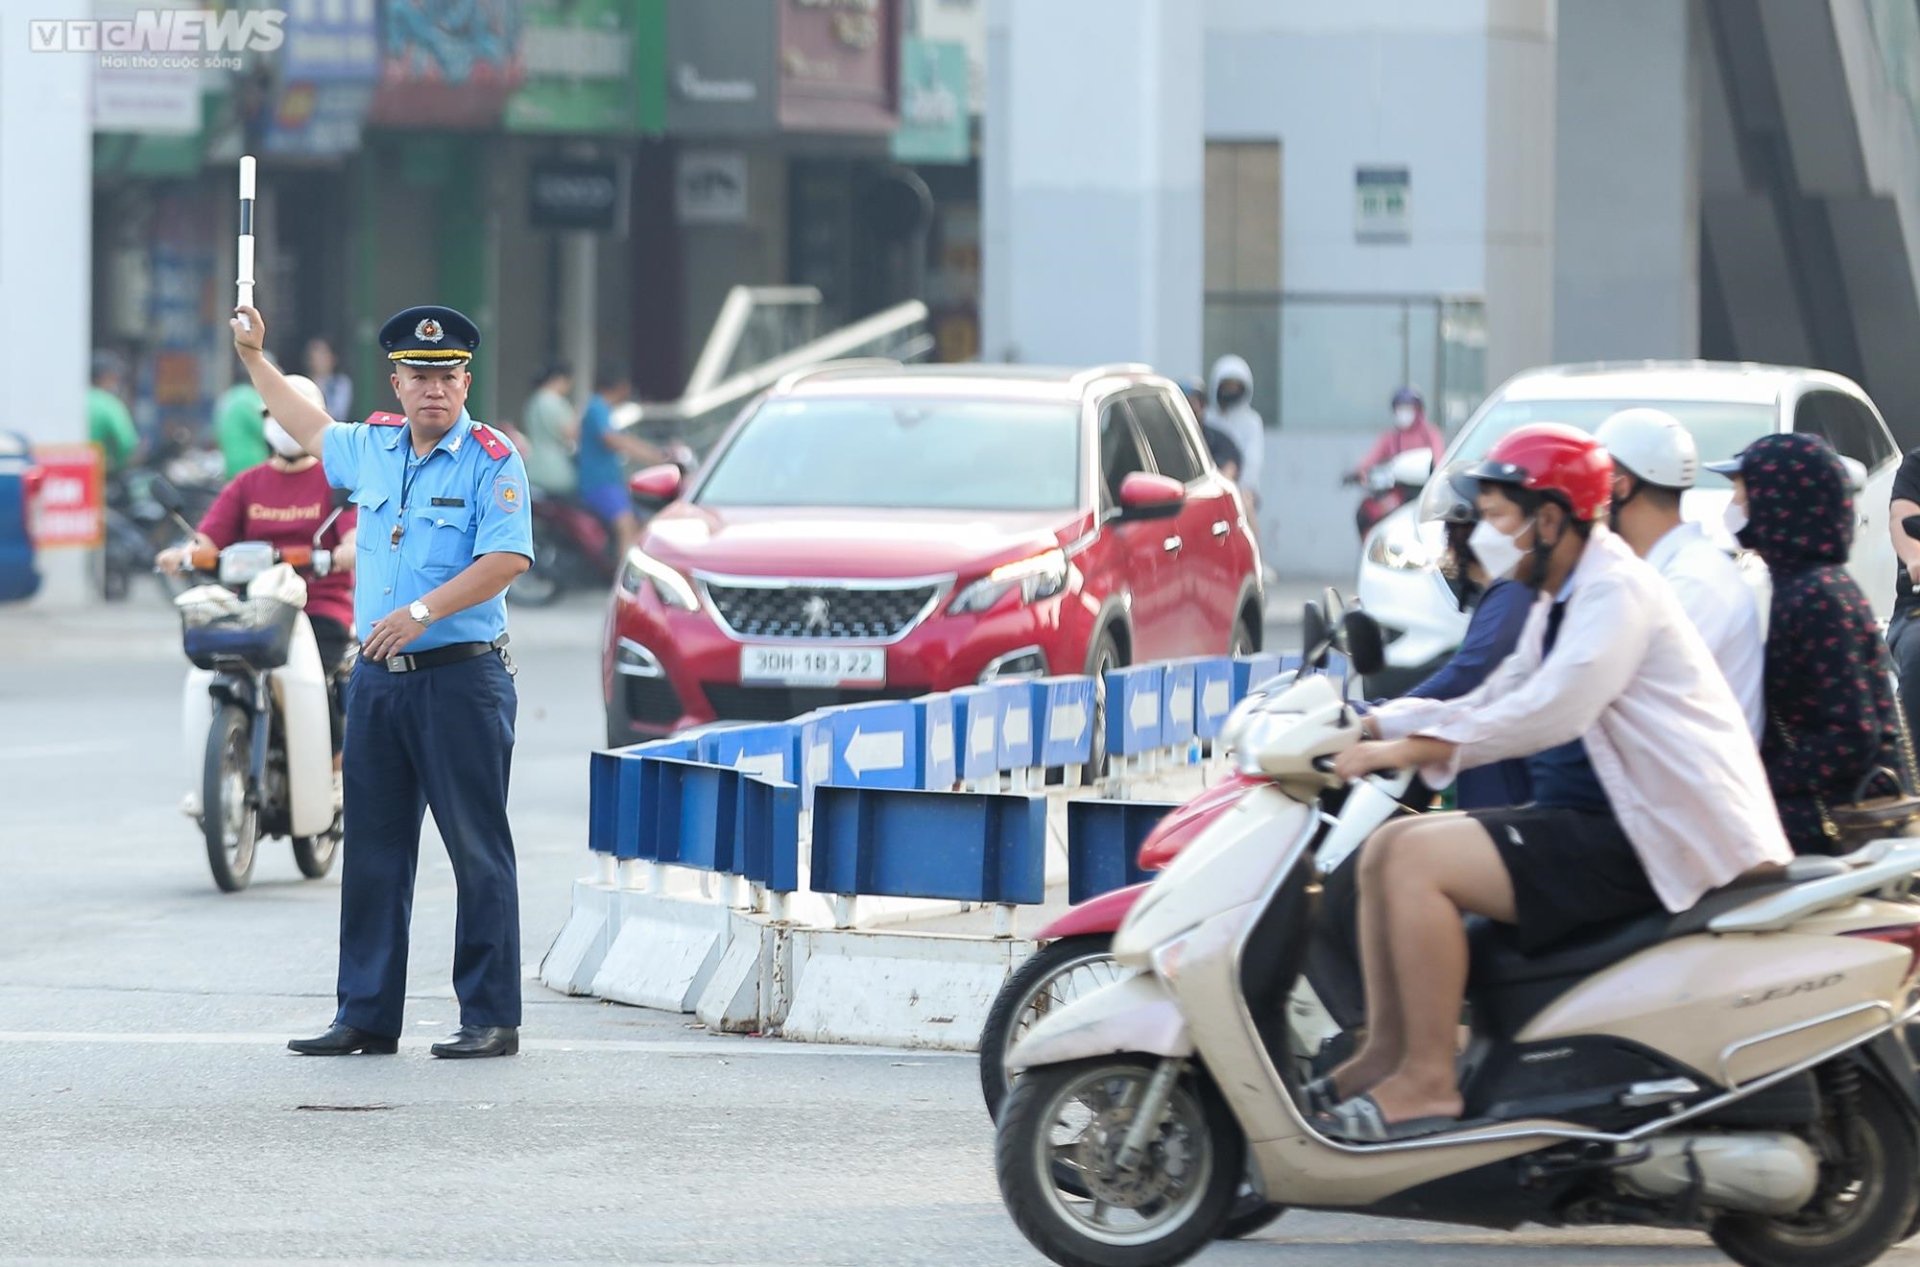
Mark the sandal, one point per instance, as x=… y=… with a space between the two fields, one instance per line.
x=1360 y=1121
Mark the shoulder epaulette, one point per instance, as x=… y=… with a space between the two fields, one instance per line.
x=496 y=447
x=386 y=420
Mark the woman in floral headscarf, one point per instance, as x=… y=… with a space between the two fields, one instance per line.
x=1830 y=706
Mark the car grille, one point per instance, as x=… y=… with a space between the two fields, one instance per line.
x=819 y=611
x=784 y=703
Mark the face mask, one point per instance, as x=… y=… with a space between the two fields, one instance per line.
x=280 y=442
x=1498 y=553
x=1736 y=518
x=1230 y=393
x=1404 y=415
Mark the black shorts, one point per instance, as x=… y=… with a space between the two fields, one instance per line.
x=1571 y=869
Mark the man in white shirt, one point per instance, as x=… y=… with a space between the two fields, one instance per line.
x=1654 y=463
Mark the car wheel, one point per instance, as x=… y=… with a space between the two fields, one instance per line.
x=1242 y=642
x=1106 y=656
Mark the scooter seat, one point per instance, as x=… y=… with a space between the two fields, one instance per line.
x=1497 y=959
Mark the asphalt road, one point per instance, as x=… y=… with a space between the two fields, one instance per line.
x=148 y=1112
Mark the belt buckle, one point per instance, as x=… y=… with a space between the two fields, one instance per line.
x=399 y=664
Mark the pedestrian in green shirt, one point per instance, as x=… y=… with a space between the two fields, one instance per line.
x=239 y=428
x=109 y=423
x=552 y=431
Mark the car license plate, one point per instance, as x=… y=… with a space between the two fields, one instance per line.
x=814 y=665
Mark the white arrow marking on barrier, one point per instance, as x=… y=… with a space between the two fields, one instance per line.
x=875 y=750
x=940 y=743
x=1180 y=700
x=768 y=765
x=1145 y=709
x=980 y=736
x=1066 y=721
x=1017 y=725
x=1214 y=698
x=820 y=761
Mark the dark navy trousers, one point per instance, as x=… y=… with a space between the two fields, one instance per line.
x=439 y=739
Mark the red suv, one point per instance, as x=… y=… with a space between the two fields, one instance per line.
x=867 y=532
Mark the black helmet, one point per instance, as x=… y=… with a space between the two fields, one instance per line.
x=1450 y=497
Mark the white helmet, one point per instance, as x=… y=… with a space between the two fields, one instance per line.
x=1651 y=445
x=277 y=437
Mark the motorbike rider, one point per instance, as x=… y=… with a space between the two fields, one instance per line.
x=1410 y=431
x=1648 y=790
x=1654 y=463
x=1230 y=391
x=601 y=480
x=283 y=501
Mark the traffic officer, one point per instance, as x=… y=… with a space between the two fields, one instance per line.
x=443 y=531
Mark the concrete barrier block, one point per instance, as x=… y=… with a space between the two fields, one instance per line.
x=664 y=951
x=895 y=989
x=577 y=953
x=744 y=991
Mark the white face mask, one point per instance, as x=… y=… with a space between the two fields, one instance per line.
x=1498 y=553
x=1404 y=415
x=280 y=442
x=1736 y=518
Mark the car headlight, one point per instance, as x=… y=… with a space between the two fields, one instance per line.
x=674 y=589
x=1401 y=549
x=1041 y=576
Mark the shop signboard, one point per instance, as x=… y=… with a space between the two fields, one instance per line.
x=447 y=65
x=719 y=72
x=1382 y=204
x=839 y=65
x=69 y=509
x=330 y=41
x=592 y=66
x=576 y=194
x=933 y=103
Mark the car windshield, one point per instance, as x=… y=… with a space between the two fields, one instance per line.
x=1720 y=428
x=902 y=455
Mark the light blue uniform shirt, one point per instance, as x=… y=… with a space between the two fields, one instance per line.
x=459 y=502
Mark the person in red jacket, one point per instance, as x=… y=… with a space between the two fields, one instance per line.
x=1410 y=431
x=283 y=501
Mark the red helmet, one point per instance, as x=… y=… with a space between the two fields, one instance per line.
x=1553 y=460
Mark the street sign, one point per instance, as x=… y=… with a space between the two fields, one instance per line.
x=1063 y=720
x=939 y=765
x=1018 y=740
x=876 y=745
x=1212 y=695
x=767 y=751
x=1176 y=703
x=70 y=509
x=812 y=752
x=976 y=725
x=1133 y=710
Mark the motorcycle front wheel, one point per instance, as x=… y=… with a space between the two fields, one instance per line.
x=229 y=818
x=1057 y=1158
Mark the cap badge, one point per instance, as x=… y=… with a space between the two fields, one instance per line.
x=429 y=330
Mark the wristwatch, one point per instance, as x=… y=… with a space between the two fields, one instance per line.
x=419 y=611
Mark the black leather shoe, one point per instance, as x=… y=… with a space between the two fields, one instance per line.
x=345 y=1040
x=473 y=1041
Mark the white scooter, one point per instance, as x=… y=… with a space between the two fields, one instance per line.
x=1737 y=1068
x=255 y=727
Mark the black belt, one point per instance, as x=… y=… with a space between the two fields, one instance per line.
x=452 y=653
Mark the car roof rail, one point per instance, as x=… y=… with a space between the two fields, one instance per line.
x=1095 y=372
x=852 y=363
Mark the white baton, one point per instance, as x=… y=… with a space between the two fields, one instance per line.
x=244 y=282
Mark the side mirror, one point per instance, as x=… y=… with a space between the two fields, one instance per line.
x=1144 y=496
x=1413 y=468
x=656 y=484
x=1366 y=649
x=165 y=495
x=342 y=498
x=1314 y=636
x=1911 y=526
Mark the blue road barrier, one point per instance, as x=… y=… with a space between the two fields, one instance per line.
x=768 y=750
x=767 y=849
x=876 y=745
x=1103 y=844
x=1017 y=738
x=1176 y=703
x=1212 y=695
x=1133 y=710
x=1250 y=671
x=812 y=752
x=957 y=846
x=933 y=715
x=976 y=729
x=1063 y=720
x=690 y=813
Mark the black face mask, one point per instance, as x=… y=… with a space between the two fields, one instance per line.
x=1230 y=393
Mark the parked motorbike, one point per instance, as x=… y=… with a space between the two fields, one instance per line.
x=1736 y=1068
x=572 y=548
x=255 y=730
x=138 y=525
x=1391 y=485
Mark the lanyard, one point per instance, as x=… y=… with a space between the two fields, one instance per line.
x=408 y=470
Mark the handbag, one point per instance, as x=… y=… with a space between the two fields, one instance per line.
x=1868 y=818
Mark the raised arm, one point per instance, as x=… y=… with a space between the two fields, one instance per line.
x=304 y=420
